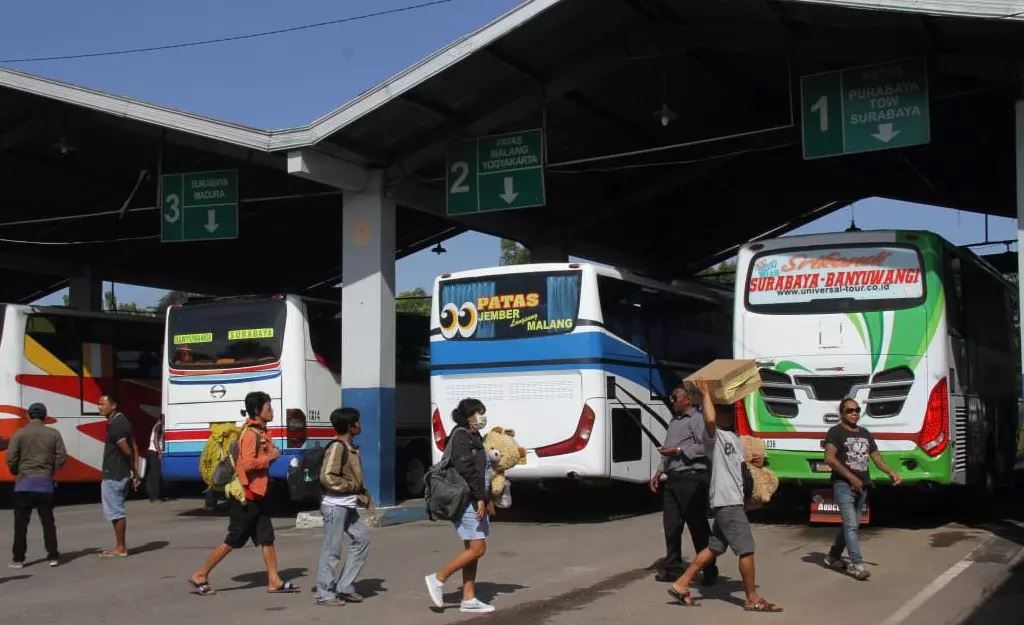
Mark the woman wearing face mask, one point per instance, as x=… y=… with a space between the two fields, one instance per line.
x=473 y=526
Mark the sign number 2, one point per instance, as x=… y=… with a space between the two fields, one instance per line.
x=173 y=208
x=462 y=169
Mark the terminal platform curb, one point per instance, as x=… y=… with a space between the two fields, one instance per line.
x=405 y=512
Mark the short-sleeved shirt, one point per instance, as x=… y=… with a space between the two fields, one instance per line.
x=726 y=453
x=115 y=465
x=686 y=431
x=853 y=449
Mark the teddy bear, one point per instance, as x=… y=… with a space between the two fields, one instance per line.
x=504 y=453
x=765 y=481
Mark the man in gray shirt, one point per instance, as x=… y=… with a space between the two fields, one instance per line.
x=686 y=469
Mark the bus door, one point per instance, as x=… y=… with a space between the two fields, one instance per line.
x=634 y=445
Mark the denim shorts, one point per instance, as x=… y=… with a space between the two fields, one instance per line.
x=469 y=528
x=113 y=493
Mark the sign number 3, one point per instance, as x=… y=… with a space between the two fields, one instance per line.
x=173 y=213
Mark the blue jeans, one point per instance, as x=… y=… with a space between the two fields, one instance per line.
x=337 y=522
x=851 y=508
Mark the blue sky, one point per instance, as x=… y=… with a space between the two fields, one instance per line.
x=290 y=79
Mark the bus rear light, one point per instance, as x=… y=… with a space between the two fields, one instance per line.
x=446 y=275
x=742 y=422
x=574 y=265
x=934 y=436
x=579 y=439
x=295 y=424
x=756 y=247
x=438 y=428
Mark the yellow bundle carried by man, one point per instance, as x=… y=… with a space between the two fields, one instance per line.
x=216 y=449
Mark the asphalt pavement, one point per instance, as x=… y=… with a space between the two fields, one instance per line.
x=553 y=559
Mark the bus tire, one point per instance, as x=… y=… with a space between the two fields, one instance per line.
x=980 y=496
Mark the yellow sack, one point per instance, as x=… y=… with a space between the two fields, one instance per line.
x=217 y=447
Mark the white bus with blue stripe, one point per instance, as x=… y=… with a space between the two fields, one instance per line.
x=289 y=346
x=578 y=359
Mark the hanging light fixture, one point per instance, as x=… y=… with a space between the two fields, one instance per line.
x=438 y=249
x=665 y=114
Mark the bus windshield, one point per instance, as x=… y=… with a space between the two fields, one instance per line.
x=835 y=278
x=225 y=334
x=509 y=306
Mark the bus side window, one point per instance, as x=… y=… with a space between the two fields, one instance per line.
x=57 y=335
x=138 y=351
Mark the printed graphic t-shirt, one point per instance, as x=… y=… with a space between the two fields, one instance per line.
x=853 y=449
x=726 y=453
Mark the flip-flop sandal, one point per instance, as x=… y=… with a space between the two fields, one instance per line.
x=683 y=598
x=287 y=588
x=112 y=554
x=763 y=606
x=201 y=588
x=331 y=603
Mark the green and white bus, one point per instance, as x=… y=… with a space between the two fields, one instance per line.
x=919 y=331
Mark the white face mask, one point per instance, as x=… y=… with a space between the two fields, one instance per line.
x=481 y=422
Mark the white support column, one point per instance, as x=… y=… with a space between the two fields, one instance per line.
x=85 y=291
x=368 y=330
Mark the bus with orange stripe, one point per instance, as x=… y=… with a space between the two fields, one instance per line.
x=67 y=359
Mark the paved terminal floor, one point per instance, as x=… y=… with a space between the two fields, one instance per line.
x=551 y=560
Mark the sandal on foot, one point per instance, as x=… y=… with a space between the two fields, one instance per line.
x=288 y=587
x=761 y=605
x=683 y=598
x=201 y=588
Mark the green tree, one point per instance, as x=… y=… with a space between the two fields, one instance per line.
x=110 y=300
x=415 y=302
x=67 y=299
x=513 y=253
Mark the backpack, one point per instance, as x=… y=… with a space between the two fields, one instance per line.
x=225 y=472
x=444 y=490
x=304 y=479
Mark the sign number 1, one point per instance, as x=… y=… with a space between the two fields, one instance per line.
x=821 y=108
x=462 y=169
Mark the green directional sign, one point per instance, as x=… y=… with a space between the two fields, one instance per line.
x=867 y=108
x=498 y=172
x=201 y=206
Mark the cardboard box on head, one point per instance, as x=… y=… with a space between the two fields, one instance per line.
x=728 y=380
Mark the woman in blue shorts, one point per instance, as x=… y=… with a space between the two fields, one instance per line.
x=473 y=525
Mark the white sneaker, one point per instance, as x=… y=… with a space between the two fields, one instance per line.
x=435 y=589
x=475 y=605
x=54 y=563
x=15 y=565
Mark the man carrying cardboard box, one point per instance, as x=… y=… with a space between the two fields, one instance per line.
x=731 y=528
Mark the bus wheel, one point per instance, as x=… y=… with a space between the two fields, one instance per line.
x=414 y=473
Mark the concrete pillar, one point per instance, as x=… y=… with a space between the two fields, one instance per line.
x=85 y=291
x=1020 y=227
x=368 y=331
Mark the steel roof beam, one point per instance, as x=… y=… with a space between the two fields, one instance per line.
x=312 y=164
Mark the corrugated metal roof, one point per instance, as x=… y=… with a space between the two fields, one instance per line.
x=431 y=66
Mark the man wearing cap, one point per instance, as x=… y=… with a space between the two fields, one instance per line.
x=35 y=453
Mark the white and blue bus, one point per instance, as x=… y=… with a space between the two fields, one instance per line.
x=578 y=359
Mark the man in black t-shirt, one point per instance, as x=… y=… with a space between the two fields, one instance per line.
x=120 y=467
x=847 y=449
